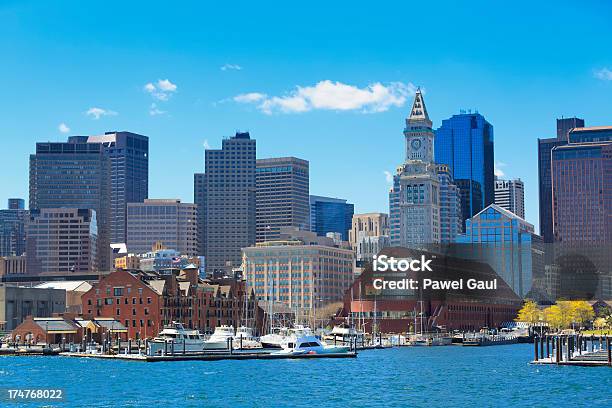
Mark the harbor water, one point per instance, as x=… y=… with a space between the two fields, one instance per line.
x=420 y=376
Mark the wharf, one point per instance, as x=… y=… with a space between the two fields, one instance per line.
x=207 y=356
x=573 y=350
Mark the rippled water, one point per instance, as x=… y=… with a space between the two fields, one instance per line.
x=443 y=376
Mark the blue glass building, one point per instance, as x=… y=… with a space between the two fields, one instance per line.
x=330 y=215
x=507 y=243
x=465 y=143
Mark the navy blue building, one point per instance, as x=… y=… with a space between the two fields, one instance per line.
x=465 y=144
x=330 y=215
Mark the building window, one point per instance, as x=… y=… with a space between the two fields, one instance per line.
x=117 y=291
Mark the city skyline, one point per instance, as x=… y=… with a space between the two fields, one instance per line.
x=190 y=95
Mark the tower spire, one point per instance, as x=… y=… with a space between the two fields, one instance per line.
x=418 y=114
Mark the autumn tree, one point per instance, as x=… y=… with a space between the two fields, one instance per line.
x=529 y=313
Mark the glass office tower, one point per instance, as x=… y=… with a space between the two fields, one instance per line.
x=465 y=143
x=330 y=215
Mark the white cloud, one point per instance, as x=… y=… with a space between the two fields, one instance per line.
x=206 y=144
x=249 y=97
x=227 y=67
x=161 y=90
x=604 y=74
x=154 y=110
x=497 y=169
x=63 y=128
x=97 y=113
x=328 y=95
x=388 y=176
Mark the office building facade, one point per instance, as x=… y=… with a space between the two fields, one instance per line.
x=545 y=147
x=62 y=241
x=169 y=222
x=581 y=176
x=450 y=206
x=414 y=200
x=330 y=215
x=369 y=234
x=12 y=228
x=226 y=202
x=464 y=142
x=305 y=273
x=74 y=175
x=282 y=198
x=507 y=243
x=17 y=303
x=510 y=194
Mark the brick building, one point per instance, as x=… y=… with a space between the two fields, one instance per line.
x=146 y=301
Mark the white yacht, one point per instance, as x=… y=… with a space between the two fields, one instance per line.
x=310 y=345
x=275 y=339
x=219 y=339
x=244 y=339
x=176 y=338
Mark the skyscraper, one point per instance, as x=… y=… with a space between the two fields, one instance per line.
x=510 y=195
x=465 y=143
x=102 y=173
x=73 y=175
x=199 y=198
x=330 y=215
x=170 y=222
x=581 y=175
x=414 y=200
x=225 y=196
x=128 y=155
x=282 y=196
x=62 y=241
x=12 y=228
x=545 y=147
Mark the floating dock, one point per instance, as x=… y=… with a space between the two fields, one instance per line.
x=573 y=350
x=207 y=356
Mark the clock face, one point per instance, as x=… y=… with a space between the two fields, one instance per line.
x=416 y=144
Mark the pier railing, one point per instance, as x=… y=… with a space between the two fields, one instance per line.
x=573 y=348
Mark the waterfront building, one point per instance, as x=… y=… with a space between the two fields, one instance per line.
x=282 y=196
x=545 y=147
x=127 y=261
x=581 y=175
x=147 y=301
x=12 y=228
x=510 y=195
x=330 y=215
x=74 y=291
x=450 y=206
x=170 y=222
x=414 y=200
x=369 y=234
x=301 y=270
x=62 y=241
x=160 y=259
x=13 y=265
x=66 y=329
x=507 y=243
x=397 y=310
x=226 y=198
x=464 y=142
x=17 y=303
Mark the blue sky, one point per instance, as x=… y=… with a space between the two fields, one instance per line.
x=330 y=83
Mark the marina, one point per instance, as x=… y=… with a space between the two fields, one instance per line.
x=493 y=372
x=573 y=350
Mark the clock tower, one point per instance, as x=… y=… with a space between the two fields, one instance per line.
x=414 y=200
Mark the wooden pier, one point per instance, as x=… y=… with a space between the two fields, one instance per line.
x=573 y=350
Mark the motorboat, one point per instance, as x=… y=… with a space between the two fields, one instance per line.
x=219 y=340
x=275 y=339
x=311 y=345
x=175 y=338
x=244 y=339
